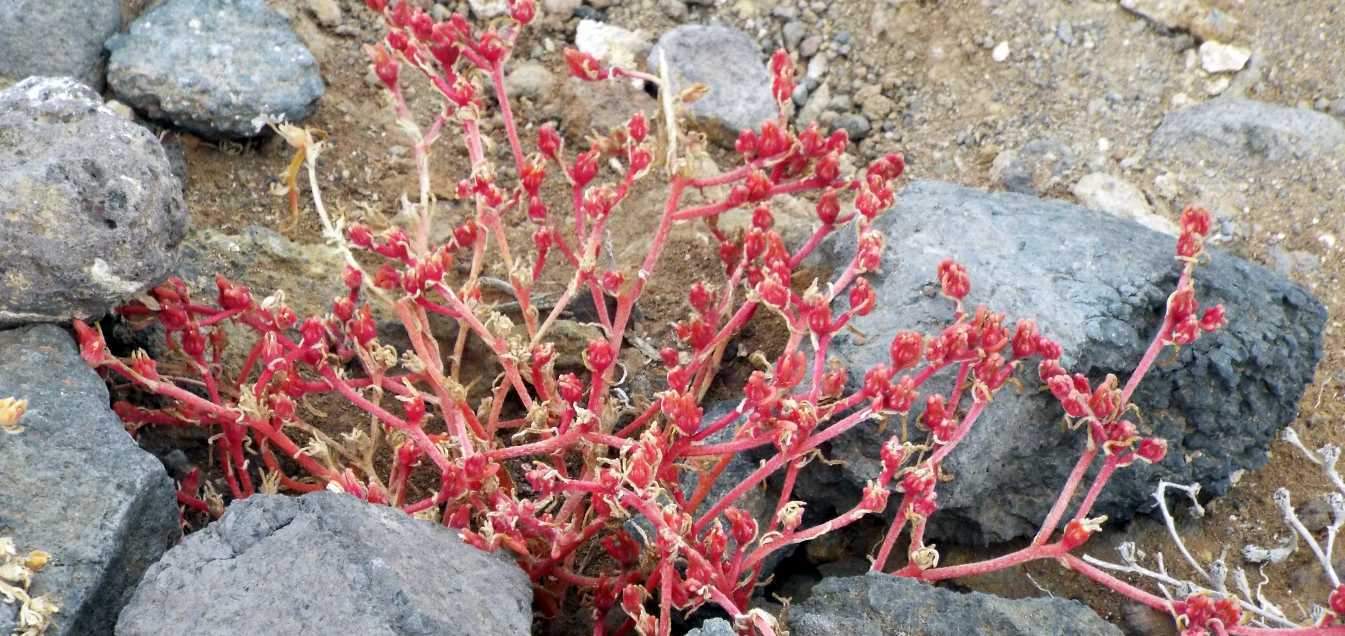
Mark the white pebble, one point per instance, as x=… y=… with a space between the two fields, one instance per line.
x=1216 y=57
x=1001 y=52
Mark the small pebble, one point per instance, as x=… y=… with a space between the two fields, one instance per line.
x=857 y=126
x=675 y=9
x=1001 y=52
x=810 y=45
x=327 y=12
x=793 y=32
x=1065 y=33
x=1216 y=57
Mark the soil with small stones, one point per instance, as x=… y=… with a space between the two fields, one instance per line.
x=1084 y=73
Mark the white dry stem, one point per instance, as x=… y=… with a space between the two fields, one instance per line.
x=1187 y=588
x=1283 y=502
x=1191 y=491
x=669 y=112
x=302 y=139
x=1263 y=611
x=1326 y=457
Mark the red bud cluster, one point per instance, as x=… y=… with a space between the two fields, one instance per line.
x=953 y=279
x=1336 y=601
x=1200 y=614
x=1195 y=226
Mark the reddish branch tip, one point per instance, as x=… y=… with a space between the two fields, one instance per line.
x=92 y=347
x=1337 y=601
x=385 y=67
x=1152 y=449
x=584 y=66
x=522 y=11
x=782 y=71
x=954 y=280
x=1078 y=531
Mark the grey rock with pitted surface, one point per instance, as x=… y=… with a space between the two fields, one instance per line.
x=328 y=563
x=92 y=212
x=214 y=66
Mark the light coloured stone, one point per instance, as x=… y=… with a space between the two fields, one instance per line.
x=563 y=8
x=611 y=44
x=817 y=68
x=1203 y=22
x=327 y=12
x=817 y=102
x=531 y=80
x=1118 y=197
x=121 y=110
x=877 y=106
x=1001 y=52
x=486 y=9
x=1216 y=57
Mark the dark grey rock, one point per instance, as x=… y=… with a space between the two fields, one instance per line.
x=1097 y=285
x=882 y=605
x=1234 y=130
x=856 y=125
x=92 y=212
x=213 y=66
x=730 y=63
x=327 y=563
x=76 y=485
x=57 y=38
x=1138 y=619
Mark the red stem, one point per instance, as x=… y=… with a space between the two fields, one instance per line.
x=1057 y=512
